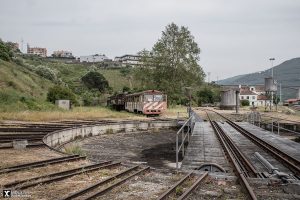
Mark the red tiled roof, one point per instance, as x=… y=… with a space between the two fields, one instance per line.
x=262 y=97
x=292 y=100
x=246 y=92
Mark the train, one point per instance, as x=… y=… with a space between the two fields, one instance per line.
x=148 y=102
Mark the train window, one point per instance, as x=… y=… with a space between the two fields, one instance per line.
x=158 y=97
x=148 y=97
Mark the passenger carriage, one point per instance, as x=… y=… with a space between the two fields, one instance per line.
x=149 y=102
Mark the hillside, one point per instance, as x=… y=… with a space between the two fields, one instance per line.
x=287 y=73
x=22 y=87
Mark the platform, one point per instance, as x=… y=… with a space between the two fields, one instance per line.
x=203 y=148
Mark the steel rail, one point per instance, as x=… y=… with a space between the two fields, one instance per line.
x=15 y=183
x=238 y=171
x=170 y=190
x=54 y=179
x=41 y=163
x=193 y=187
x=292 y=163
x=103 y=191
x=244 y=163
x=31 y=129
x=89 y=188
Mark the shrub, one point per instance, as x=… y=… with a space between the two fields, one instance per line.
x=46 y=73
x=245 y=102
x=95 y=80
x=58 y=92
x=5 y=51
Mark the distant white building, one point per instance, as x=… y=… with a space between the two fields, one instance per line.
x=256 y=95
x=62 y=54
x=93 y=58
x=129 y=60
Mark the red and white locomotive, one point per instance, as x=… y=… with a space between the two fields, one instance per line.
x=149 y=102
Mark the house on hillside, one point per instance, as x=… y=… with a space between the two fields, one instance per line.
x=37 y=51
x=93 y=58
x=62 y=54
x=131 y=60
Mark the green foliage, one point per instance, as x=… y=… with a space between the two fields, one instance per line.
x=171 y=64
x=205 y=96
x=46 y=73
x=276 y=99
x=58 y=92
x=125 y=71
x=74 y=149
x=208 y=95
x=245 y=102
x=10 y=100
x=95 y=80
x=126 y=89
x=6 y=52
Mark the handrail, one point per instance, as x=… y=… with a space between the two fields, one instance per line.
x=184 y=135
x=258 y=121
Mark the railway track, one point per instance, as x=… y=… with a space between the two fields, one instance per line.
x=241 y=165
x=41 y=163
x=287 y=160
x=188 y=191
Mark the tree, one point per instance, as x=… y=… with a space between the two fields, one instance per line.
x=58 y=92
x=245 y=102
x=6 y=53
x=95 y=80
x=172 y=63
x=205 y=96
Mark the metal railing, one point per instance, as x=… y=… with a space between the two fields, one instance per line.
x=256 y=119
x=185 y=135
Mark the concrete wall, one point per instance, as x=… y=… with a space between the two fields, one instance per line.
x=57 y=138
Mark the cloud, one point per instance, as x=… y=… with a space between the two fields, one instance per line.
x=235 y=36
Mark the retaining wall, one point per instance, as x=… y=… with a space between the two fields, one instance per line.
x=58 y=138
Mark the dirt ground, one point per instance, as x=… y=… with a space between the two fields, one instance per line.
x=156 y=149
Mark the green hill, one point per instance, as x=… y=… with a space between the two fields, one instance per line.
x=287 y=73
x=25 y=80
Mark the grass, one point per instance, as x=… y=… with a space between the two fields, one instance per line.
x=173 y=111
x=74 y=149
x=78 y=113
x=82 y=113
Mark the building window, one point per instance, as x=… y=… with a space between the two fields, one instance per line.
x=253 y=97
x=247 y=97
x=242 y=97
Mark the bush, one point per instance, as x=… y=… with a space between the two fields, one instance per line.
x=6 y=52
x=245 y=102
x=46 y=73
x=95 y=80
x=58 y=92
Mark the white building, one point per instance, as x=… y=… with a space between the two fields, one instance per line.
x=62 y=54
x=256 y=95
x=93 y=58
x=127 y=59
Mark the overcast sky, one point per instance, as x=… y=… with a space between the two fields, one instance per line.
x=235 y=36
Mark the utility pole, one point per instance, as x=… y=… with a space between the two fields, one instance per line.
x=208 y=77
x=280 y=97
x=271 y=60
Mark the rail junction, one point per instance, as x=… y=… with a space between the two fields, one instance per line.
x=216 y=158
